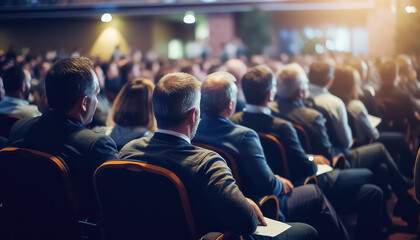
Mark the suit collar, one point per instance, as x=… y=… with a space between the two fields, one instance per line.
x=160 y=136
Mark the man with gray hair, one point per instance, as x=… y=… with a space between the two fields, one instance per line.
x=217 y=203
x=304 y=204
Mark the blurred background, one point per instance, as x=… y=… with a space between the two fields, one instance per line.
x=209 y=28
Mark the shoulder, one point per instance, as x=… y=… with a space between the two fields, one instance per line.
x=356 y=106
x=237 y=117
x=27 y=111
x=21 y=127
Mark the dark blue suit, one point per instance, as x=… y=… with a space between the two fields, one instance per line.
x=347 y=189
x=306 y=204
x=81 y=149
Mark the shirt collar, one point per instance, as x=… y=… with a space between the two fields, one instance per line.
x=173 y=133
x=316 y=90
x=257 y=109
x=17 y=101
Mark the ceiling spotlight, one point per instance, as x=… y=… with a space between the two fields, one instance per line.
x=106 y=17
x=189 y=17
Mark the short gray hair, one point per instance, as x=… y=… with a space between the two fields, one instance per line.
x=174 y=95
x=290 y=79
x=218 y=89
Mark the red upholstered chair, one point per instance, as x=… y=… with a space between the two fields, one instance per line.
x=144 y=201
x=36 y=197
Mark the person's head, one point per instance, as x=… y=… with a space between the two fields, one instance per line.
x=346 y=83
x=129 y=72
x=320 y=73
x=72 y=88
x=292 y=82
x=17 y=82
x=259 y=85
x=219 y=94
x=404 y=66
x=133 y=105
x=176 y=102
x=388 y=72
x=237 y=68
x=359 y=65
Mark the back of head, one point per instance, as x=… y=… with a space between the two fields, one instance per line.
x=236 y=67
x=404 y=65
x=359 y=65
x=256 y=83
x=217 y=90
x=174 y=95
x=388 y=72
x=13 y=78
x=345 y=84
x=320 y=73
x=133 y=105
x=68 y=80
x=290 y=80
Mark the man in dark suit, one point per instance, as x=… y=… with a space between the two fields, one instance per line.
x=72 y=88
x=347 y=189
x=306 y=203
x=217 y=203
x=291 y=86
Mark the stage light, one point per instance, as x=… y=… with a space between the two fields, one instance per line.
x=189 y=17
x=106 y=17
x=411 y=9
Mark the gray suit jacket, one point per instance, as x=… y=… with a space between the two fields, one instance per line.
x=216 y=201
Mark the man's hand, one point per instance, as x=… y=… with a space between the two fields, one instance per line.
x=287 y=185
x=261 y=220
x=319 y=159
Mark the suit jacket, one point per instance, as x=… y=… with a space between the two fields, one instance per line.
x=311 y=120
x=81 y=149
x=216 y=201
x=300 y=166
x=244 y=144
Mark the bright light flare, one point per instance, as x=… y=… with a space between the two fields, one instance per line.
x=106 y=17
x=189 y=17
x=411 y=9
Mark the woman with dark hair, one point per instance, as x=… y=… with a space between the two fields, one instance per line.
x=131 y=115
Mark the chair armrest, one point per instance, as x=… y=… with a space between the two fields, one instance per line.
x=311 y=180
x=269 y=206
x=339 y=161
x=219 y=236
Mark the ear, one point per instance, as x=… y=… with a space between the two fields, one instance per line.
x=230 y=106
x=191 y=115
x=84 y=103
x=330 y=82
x=301 y=94
x=269 y=96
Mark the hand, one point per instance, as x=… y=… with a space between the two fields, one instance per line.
x=287 y=185
x=261 y=220
x=319 y=159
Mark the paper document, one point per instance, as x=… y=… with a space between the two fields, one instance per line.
x=272 y=229
x=323 y=168
x=374 y=121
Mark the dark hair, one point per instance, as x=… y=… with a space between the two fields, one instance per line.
x=124 y=71
x=345 y=83
x=216 y=92
x=68 y=80
x=256 y=83
x=388 y=72
x=174 y=95
x=133 y=105
x=320 y=73
x=13 y=78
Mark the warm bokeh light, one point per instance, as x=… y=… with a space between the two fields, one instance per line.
x=106 y=42
x=106 y=17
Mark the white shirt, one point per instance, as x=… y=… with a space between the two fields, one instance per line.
x=173 y=133
x=337 y=113
x=257 y=109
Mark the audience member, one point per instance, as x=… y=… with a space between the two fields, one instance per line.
x=217 y=203
x=131 y=116
x=237 y=68
x=306 y=203
x=347 y=189
x=72 y=88
x=17 y=86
